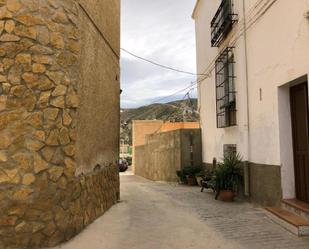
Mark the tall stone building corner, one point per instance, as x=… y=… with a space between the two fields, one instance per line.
x=59 y=133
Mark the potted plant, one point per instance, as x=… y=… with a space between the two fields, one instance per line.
x=227 y=177
x=190 y=172
x=187 y=174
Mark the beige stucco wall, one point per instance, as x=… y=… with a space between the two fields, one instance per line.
x=108 y=23
x=99 y=113
x=59 y=120
x=277 y=54
x=160 y=157
x=142 y=128
x=165 y=153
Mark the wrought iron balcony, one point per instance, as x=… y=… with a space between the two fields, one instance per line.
x=222 y=22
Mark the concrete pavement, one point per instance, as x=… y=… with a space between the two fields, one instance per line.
x=168 y=216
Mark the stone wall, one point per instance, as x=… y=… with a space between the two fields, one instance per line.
x=165 y=153
x=56 y=176
x=100 y=102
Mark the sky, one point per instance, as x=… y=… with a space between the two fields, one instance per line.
x=162 y=31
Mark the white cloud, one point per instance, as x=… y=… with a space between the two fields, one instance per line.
x=162 y=31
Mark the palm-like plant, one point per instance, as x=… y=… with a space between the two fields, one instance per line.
x=228 y=173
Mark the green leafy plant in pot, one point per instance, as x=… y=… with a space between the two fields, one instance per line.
x=190 y=172
x=227 y=176
x=187 y=174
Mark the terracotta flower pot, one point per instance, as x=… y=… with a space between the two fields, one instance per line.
x=226 y=195
x=191 y=180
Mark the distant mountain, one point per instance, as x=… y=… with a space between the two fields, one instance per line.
x=176 y=111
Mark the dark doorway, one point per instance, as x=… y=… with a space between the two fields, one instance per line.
x=299 y=116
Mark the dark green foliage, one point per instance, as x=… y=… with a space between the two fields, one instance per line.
x=190 y=171
x=182 y=176
x=129 y=160
x=200 y=174
x=228 y=173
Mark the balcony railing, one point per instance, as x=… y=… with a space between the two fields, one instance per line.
x=222 y=22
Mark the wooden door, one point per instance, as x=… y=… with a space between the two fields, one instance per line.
x=299 y=115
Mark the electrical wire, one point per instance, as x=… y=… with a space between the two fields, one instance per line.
x=260 y=13
x=192 y=84
x=101 y=33
x=171 y=95
x=209 y=68
x=168 y=117
x=251 y=22
x=158 y=64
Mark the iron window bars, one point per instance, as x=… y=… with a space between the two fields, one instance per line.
x=229 y=149
x=222 y=22
x=225 y=90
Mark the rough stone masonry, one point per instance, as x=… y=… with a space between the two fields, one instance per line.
x=59 y=116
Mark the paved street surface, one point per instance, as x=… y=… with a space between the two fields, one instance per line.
x=168 y=216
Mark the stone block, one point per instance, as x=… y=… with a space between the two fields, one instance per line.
x=28 y=179
x=39 y=164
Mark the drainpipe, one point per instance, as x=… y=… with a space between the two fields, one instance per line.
x=246 y=165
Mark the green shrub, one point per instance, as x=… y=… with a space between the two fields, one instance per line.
x=182 y=176
x=200 y=174
x=192 y=170
x=188 y=171
x=129 y=160
x=228 y=173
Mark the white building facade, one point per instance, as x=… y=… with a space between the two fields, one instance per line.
x=254 y=96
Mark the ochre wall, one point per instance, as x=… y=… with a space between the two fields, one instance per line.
x=58 y=169
x=171 y=126
x=141 y=128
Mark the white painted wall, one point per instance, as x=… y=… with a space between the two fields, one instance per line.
x=278 y=53
x=213 y=138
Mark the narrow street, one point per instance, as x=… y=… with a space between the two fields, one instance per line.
x=159 y=215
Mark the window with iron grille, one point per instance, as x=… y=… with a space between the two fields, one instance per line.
x=229 y=149
x=225 y=90
x=222 y=22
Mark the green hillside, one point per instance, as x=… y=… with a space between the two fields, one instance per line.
x=176 y=111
